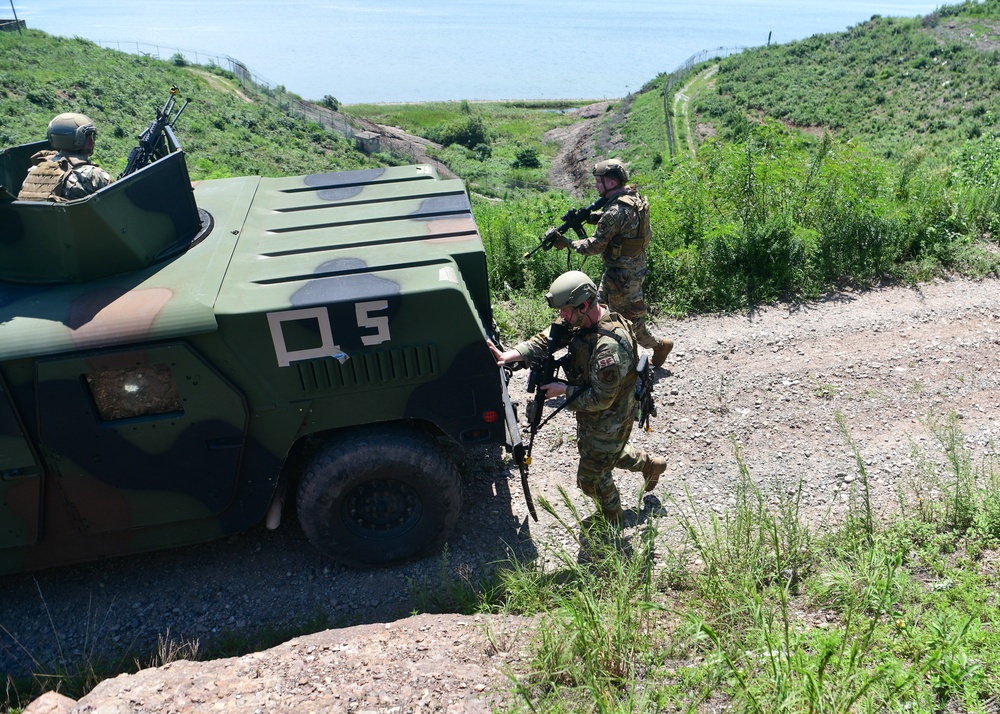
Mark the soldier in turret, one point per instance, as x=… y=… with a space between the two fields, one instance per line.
x=621 y=238
x=65 y=172
x=600 y=370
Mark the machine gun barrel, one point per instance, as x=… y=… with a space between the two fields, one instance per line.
x=151 y=139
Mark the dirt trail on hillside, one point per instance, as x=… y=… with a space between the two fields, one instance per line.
x=573 y=163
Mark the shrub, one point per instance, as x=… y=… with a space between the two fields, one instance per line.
x=482 y=152
x=468 y=132
x=527 y=158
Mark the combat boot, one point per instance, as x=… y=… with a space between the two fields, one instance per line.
x=652 y=471
x=602 y=520
x=661 y=351
x=616 y=516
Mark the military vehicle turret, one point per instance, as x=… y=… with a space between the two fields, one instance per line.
x=174 y=357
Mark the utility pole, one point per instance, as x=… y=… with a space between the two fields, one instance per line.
x=16 y=23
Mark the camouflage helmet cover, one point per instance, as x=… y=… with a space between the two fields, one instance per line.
x=69 y=131
x=571 y=289
x=615 y=167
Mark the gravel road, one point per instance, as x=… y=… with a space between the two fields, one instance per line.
x=773 y=381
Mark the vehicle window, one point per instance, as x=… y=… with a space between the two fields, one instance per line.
x=144 y=390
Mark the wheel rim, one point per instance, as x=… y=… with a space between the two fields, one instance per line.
x=381 y=508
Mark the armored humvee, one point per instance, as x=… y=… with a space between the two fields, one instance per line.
x=173 y=358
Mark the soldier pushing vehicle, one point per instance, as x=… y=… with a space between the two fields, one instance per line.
x=600 y=387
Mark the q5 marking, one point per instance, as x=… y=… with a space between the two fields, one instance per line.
x=319 y=317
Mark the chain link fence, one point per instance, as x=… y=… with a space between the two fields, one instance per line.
x=248 y=79
x=675 y=77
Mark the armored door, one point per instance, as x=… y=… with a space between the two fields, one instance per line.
x=142 y=437
x=20 y=479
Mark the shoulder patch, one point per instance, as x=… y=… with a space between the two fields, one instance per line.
x=606 y=361
x=610 y=376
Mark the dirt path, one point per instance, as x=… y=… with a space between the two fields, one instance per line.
x=400 y=142
x=220 y=84
x=571 y=168
x=682 y=105
x=887 y=362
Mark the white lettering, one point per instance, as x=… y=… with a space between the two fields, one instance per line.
x=327 y=346
x=380 y=323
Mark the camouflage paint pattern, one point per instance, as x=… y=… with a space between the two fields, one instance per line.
x=150 y=399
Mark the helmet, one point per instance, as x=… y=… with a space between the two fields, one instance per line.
x=70 y=131
x=614 y=167
x=571 y=289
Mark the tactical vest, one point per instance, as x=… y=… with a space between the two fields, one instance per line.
x=576 y=364
x=631 y=245
x=46 y=178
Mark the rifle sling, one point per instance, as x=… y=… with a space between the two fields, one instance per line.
x=561 y=407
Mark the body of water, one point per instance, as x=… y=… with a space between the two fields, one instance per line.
x=404 y=50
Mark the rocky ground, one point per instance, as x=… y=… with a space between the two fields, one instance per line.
x=772 y=382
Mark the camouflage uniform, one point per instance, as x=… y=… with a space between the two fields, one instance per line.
x=62 y=176
x=621 y=238
x=601 y=364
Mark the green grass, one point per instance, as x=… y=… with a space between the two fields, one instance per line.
x=761 y=613
x=488 y=162
x=893 y=83
x=785 y=206
x=222 y=133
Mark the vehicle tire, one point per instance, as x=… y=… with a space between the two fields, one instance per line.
x=377 y=496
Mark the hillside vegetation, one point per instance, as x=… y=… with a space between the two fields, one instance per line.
x=895 y=84
x=851 y=158
x=224 y=131
x=846 y=159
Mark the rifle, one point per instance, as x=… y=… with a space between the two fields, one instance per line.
x=644 y=392
x=150 y=145
x=543 y=371
x=573 y=219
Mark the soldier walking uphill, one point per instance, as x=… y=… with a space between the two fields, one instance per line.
x=66 y=172
x=621 y=238
x=600 y=368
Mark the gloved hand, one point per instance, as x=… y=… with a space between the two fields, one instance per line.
x=595 y=217
x=557 y=239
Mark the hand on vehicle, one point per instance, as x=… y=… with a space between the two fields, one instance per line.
x=503 y=358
